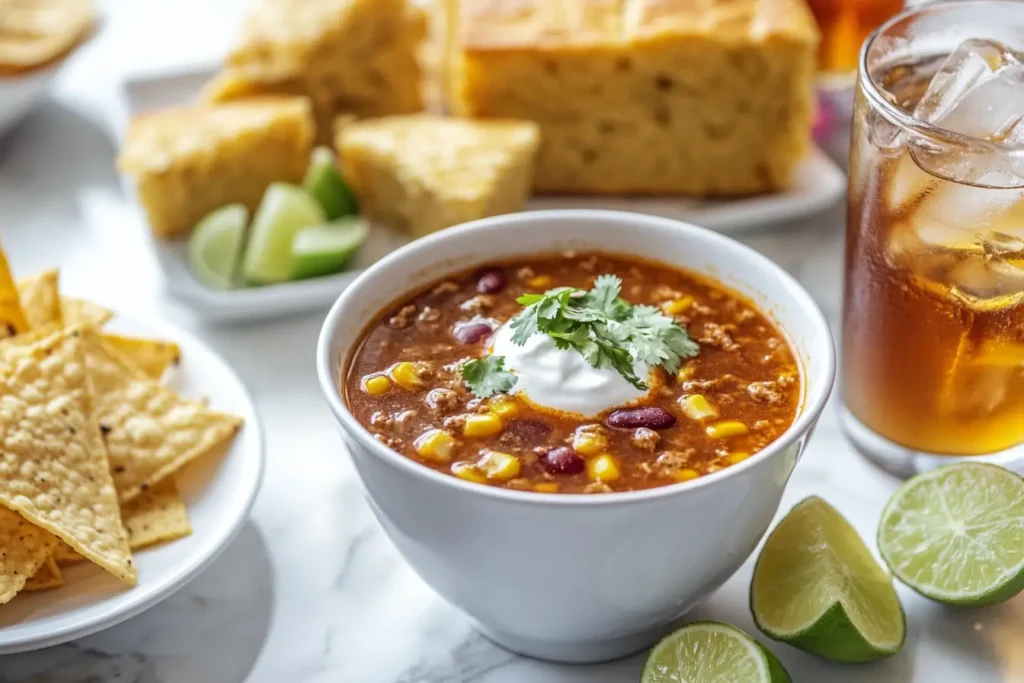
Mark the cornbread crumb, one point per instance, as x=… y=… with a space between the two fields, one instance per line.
x=425 y=173
x=703 y=97
x=348 y=56
x=187 y=162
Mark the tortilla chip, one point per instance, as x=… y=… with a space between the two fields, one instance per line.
x=53 y=467
x=152 y=356
x=65 y=554
x=150 y=431
x=82 y=312
x=48 y=576
x=155 y=516
x=24 y=548
x=40 y=299
x=12 y=317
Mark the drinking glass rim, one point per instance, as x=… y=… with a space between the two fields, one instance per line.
x=906 y=120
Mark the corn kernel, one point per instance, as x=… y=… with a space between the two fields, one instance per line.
x=685 y=373
x=407 y=375
x=375 y=385
x=603 y=468
x=505 y=408
x=685 y=475
x=546 y=487
x=540 y=281
x=677 y=306
x=738 y=456
x=435 y=445
x=722 y=430
x=498 y=466
x=588 y=442
x=486 y=424
x=469 y=472
x=697 y=407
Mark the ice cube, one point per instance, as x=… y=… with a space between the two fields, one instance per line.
x=974 y=210
x=906 y=183
x=978 y=91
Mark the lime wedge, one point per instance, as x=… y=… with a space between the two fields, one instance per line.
x=284 y=211
x=711 y=652
x=216 y=245
x=817 y=587
x=325 y=249
x=325 y=183
x=956 y=534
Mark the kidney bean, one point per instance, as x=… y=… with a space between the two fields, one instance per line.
x=527 y=431
x=651 y=417
x=490 y=281
x=562 y=460
x=472 y=331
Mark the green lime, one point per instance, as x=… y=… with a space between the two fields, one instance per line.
x=711 y=652
x=325 y=183
x=284 y=211
x=817 y=587
x=216 y=245
x=956 y=534
x=325 y=249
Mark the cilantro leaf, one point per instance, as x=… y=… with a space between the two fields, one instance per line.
x=487 y=376
x=604 y=328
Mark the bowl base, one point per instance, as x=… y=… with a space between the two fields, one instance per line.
x=578 y=651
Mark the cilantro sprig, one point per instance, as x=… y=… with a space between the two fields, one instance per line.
x=487 y=376
x=600 y=325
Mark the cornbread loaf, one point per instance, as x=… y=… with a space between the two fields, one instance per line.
x=703 y=97
x=348 y=56
x=188 y=161
x=425 y=173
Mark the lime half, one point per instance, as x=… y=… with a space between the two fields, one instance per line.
x=325 y=249
x=711 y=652
x=956 y=534
x=284 y=211
x=325 y=183
x=817 y=587
x=216 y=245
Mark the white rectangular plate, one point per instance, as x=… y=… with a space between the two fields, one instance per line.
x=819 y=183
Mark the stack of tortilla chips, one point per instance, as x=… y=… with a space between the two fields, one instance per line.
x=90 y=440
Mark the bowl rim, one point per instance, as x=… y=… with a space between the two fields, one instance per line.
x=815 y=397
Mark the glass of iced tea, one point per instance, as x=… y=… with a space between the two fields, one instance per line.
x=933 y=322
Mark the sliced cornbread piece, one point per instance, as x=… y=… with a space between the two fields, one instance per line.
x=426 y=173
x=347 y=56
x=188 y=161
x=701 y=97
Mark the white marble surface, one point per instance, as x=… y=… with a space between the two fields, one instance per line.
x=312 y=590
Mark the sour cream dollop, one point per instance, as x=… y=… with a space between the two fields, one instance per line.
x=560 y=379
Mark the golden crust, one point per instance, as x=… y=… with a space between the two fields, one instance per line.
x=570 y=24
x=496 y=24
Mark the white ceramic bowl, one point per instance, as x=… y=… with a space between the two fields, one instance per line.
x=576 y=578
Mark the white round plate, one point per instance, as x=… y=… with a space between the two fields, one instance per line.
x=219 y=494
x=818 y=184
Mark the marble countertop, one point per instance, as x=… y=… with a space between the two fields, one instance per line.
x=312 y=590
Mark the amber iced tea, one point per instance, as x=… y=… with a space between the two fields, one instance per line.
x=933 y=330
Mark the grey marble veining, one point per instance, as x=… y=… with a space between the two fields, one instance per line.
x=312 y=590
